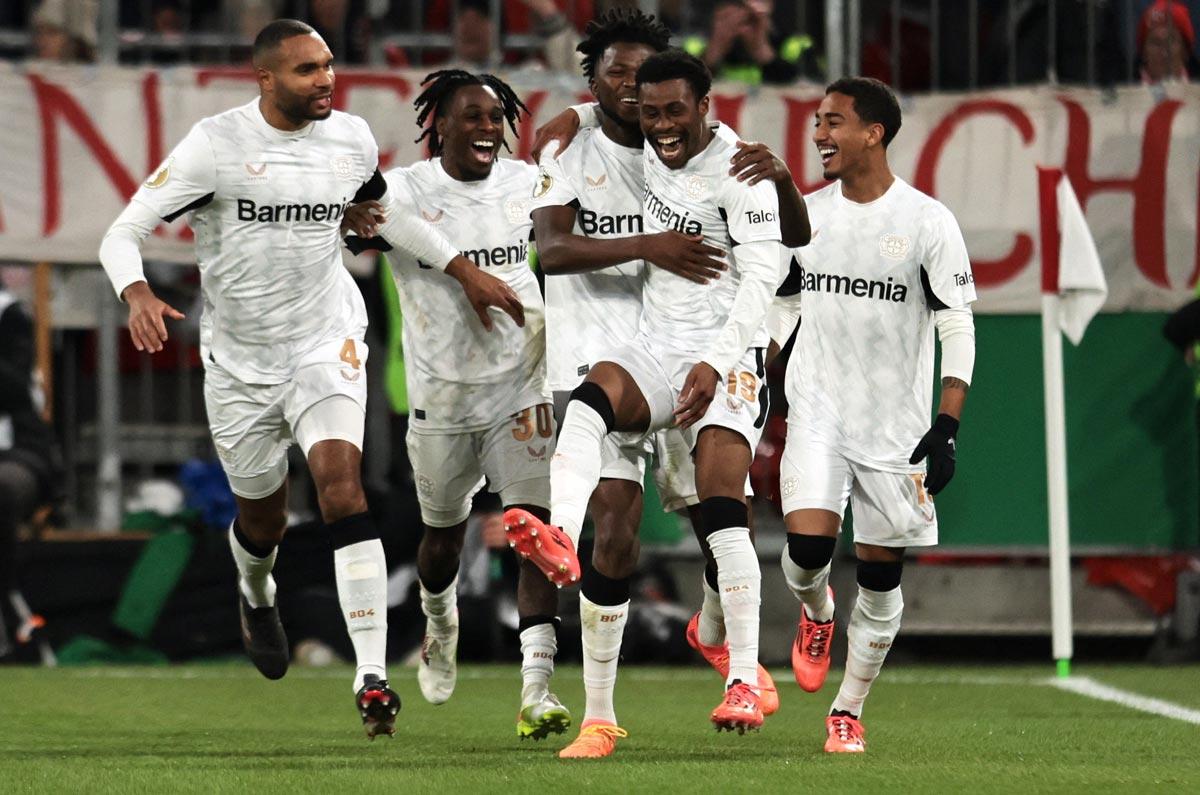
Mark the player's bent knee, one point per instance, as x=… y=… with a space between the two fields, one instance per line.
x=340 y=498
x=593 y=396
x=810 y=552
x=441 y=517
x=879 y=575
x=720 y=513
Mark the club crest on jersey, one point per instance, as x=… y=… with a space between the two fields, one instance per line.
x=696 y=186
x=893 y=246
x=543 y=185
x=434 y=217
x=599 y=183
x=160 y=177
x=516 y=210
x=343 y=167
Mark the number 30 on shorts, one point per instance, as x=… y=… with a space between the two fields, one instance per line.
x=525 y=420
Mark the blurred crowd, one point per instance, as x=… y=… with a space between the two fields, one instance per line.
x=750 y=41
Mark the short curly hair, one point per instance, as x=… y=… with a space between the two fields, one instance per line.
x=676 y=64
x=624 y=25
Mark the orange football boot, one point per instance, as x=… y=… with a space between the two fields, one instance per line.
x=718 y=658
x=596 y=740
x=739 y=711
x=547 y=546
x=845 y=735
x=810 y=650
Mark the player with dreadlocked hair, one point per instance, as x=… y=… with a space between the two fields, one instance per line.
x=479 y=405
x=439 y=88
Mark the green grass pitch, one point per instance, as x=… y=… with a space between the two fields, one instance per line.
x=222 y=728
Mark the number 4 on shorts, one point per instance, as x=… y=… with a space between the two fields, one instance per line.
x=349 y=354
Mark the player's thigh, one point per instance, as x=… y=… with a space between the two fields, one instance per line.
x=328 y=395
x=249 y=432
x=814 y=482
x=447 y=472
x=636 y=369
x=515 y=456
x=728 y=433
x=892 y=509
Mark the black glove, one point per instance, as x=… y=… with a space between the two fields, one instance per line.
x=938 y=445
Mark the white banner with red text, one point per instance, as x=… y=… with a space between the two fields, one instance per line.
x=76 y=141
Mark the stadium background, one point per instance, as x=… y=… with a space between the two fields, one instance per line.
x=129 y=564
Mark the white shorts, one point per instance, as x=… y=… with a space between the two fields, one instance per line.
x=740 y=403
x=513 y=457
x=891 y=509
x=675 y=470
x=254 y=424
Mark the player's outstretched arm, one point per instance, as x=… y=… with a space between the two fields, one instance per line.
x=560 y=250
x=956 y=330
x=754 y=162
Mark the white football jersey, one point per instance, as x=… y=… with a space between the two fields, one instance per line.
x=861 y=371
x=588 y=313
x=462 y=377
x=702 y=198
x=266 y=206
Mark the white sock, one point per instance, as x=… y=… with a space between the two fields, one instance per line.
x=441 y=609
x=361 y=573
x=811 y=587
x=575 y=467
x=740 y=583
x=254 y=573
x=873 y=626
x=710 y=629
x=603 y=627
x=538 y=647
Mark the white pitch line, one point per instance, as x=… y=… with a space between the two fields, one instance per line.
x=1086 y=686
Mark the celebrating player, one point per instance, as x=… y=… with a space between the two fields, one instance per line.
x=480 y=408
x=281 y=334
x=886 y=265
x=694 y=337
x=588 y=219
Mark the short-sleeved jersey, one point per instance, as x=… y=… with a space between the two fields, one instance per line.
x=702 y=198
x=588 y=313
x=462 y=377
x=266 y=206
x=861 y=371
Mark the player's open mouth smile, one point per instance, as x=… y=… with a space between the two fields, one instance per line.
x=628 y=101
x=827 y=154
x=323 y=102
x=669 y=146
x=484 y=149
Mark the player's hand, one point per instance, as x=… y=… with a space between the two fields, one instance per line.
x=484 y=290
x=561 y=128
x=684 y=255
x=938 y=445
x=754 y=162
x=698 y=390
x=146 y=313
x=363 y=219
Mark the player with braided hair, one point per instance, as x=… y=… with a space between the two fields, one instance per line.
x=479 y=403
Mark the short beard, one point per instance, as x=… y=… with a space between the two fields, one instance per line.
x=630 y=127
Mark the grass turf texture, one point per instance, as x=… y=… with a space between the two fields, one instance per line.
x=222 y=728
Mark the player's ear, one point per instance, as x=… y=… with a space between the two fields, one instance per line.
x=439 y=126
x=703 y=106
x=592 y=86
x=266 y=80
x=874 y=134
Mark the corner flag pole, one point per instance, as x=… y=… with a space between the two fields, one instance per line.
x=1056 y=426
